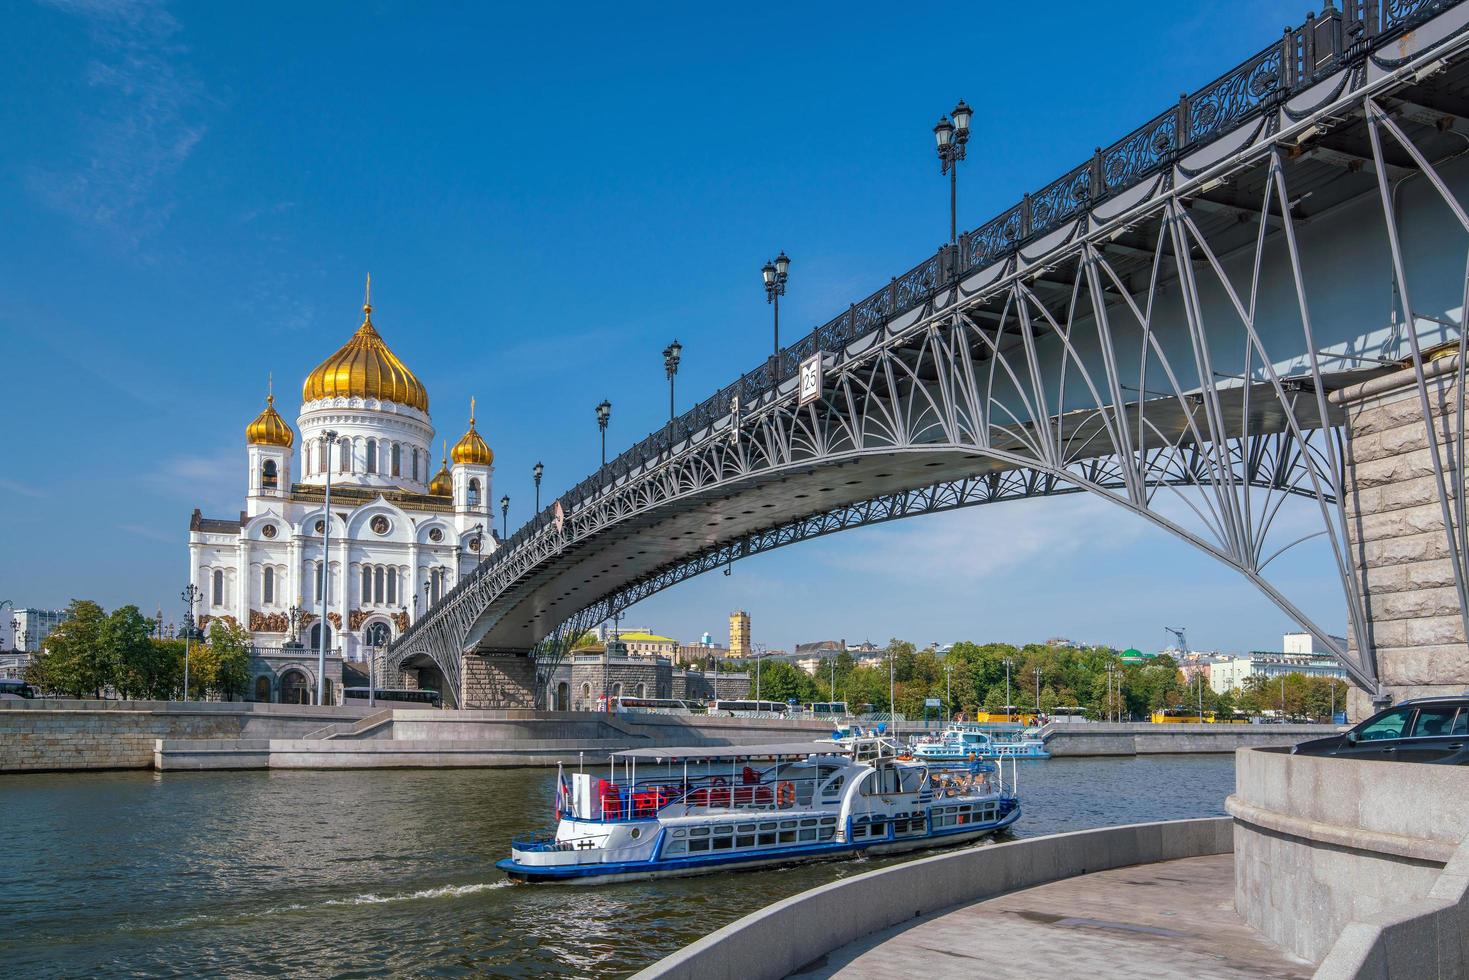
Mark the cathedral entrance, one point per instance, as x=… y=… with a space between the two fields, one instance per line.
x=295 y=688
x=377 y=635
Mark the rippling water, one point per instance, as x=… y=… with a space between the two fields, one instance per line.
x=353 y=874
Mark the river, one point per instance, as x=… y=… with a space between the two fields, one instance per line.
x=390 y=872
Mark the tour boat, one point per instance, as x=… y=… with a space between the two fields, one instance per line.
x=813 y=801
x=961 y=743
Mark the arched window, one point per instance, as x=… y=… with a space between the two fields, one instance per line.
x=268 y=478
x=321 y=456
x=640 y=689
x=262 y=688
x=372 y=455
x=415 y=464
x=366 y=584
x=474 y=493
x=436 y=584
x=392 y=586
x=377 y=635
x=218 y=587
x=344 y=455
x=397 y=459
x=586 y=691
x=617 y=689
x=268 y=590
x=377 y=589
x=318 y=581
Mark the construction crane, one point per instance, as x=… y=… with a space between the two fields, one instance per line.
x=1181 y=634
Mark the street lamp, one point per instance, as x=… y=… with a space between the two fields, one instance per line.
x=190 y=595
x=775 y=273
x=671 y=355
x=293 y=617
x=951 y=137
x=604 y=412
x=536 y=471
x=1112 y=706
x=326 y=565
x=1008 y=663
x=505 y=516
x=948 y=688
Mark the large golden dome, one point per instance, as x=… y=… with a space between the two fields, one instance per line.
x=269 y=429
x=366 y=368
x=471 y=447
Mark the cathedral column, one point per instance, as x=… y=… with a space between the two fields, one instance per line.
x=242 y=594
x=415 y=594
x=293 y=582
x=344 y=547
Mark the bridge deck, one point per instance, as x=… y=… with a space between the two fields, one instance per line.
x=1170 y=919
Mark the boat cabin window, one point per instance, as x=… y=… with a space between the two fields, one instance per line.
x=884 y=781
x=912 y=779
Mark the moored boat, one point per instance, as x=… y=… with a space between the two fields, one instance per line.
x=961 y=743
x=812 y=801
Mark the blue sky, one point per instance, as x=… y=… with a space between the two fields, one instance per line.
x=545 y=196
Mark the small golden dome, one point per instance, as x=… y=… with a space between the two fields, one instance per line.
x=269 y=429
x=471 y=447
x=365 y=368
x=442 y=485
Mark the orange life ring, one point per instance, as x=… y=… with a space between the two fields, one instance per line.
x=785 y=794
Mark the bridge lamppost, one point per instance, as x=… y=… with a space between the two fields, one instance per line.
x=671 y=354
x=536 y=471
x=1008 y=664
x=604 y=412
x=505 y=516
x=190 y=595
x=951 y=137
x=326 y=560
x=775 y=273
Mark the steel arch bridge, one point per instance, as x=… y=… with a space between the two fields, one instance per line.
x=1162 y=327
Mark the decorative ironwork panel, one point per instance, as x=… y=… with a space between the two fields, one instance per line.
x=1061 y=199
x=1400 y=13
x=872 y=312
x=836 y=334
x=1148 y=147
x=996 y=239
x=914 y=286
x=1219 y=107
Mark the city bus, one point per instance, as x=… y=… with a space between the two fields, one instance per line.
x=1068 y=713
x=827 y=709
x=394 y=695
x=665 y=706
x=749 y=709
x=1182 y=716
x=13 y=688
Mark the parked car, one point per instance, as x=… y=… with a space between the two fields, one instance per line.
x=1421 y=730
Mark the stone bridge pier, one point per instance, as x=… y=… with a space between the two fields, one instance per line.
x=498 y=679
x=1404 y=507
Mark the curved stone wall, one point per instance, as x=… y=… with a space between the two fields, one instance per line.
x=1320 y=843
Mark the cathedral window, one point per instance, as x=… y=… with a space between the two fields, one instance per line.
x=474 y=493
x=377 y=587
x=372 y=455
x=267 y=590
x=321 y=457
x=218 y=587
x=366 y=584
x=320 y=591
x=392 y=586
x=344 y=456
x=397 y=462
x=268 y=478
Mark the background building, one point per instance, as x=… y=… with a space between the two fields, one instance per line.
x=1300 y=656
x=739 y=633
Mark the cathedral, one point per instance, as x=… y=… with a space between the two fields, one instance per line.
x=401 y=534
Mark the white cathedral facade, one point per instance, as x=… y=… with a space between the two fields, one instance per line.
x=401 y=535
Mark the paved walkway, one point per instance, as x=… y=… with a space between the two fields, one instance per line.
x=1170 y=919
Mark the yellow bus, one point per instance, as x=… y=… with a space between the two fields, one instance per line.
x=1183 y=716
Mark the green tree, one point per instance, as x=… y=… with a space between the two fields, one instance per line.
x=229 y=646
x=142 y=669
x=781 y=681
x=77 y=659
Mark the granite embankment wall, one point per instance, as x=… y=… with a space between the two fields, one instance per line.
x=45 y=735
x=1145 y=738
x=781 y=938
x=1365 y=861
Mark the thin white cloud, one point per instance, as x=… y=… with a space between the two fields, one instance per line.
x=151 y=533
x=21 y=489
x=144 y=128
x=214 y=482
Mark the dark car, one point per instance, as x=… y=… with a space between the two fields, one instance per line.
x=1420 y=730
